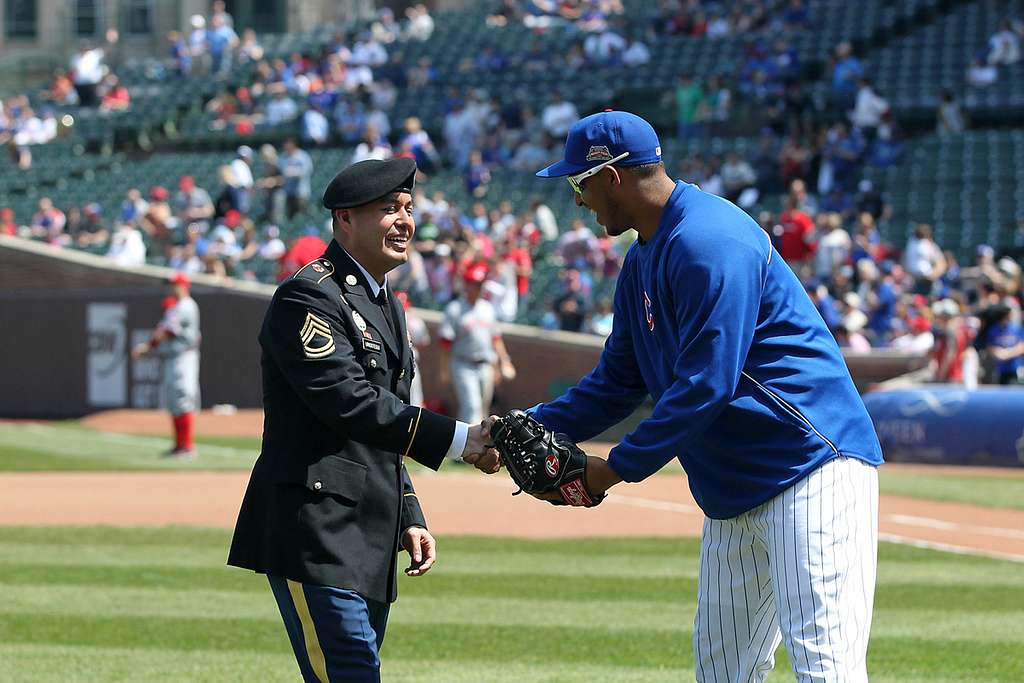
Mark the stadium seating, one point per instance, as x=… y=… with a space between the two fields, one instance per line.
x=912 y=71
x=966 y=186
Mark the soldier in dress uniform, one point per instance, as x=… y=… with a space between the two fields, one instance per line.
x=330 y=504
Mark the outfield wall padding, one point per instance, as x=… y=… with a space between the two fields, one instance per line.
x=945 y=424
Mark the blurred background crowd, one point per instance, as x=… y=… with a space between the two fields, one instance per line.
x=776 y=105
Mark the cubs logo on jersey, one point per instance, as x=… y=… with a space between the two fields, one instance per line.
x=648 y=312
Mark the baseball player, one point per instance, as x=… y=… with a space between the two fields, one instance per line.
x=177 y=338
x=751 y=395
x=472 y=347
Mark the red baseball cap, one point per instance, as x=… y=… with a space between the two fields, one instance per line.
x=158 y=192
x=403 y=299
x=232 y=218
x=179 y=279
x=186 y=182
x=475 y=274
x=920 y=325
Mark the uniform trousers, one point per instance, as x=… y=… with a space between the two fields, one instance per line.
x=336 y=634
x=798 y=569
x=474 y=387
x=179 y=386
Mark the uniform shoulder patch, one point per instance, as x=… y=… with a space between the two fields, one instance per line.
x=318 y=269
x=316 y=336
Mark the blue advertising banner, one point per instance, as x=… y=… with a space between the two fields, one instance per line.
x=945 y=424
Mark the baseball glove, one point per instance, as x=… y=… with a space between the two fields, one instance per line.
x=541 y=462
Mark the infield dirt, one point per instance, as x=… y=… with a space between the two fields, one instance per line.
x=459 y=502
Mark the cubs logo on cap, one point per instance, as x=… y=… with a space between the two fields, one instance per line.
x=605 y=136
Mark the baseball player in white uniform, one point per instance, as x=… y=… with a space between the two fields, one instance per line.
x=751 y=395
x=177 y=339
x=472 y=347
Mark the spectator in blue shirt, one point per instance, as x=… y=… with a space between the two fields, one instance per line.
x=477 y=175
x=221 y=40
x=1005 y=344
x=825 y=304
x=297 y=170
x=881 y=308
x=180 y=53
x=846 y=71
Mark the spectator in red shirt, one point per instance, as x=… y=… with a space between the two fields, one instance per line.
x=952 y=340
x=115 y=95
x=303 y=250
x=7 y=224
x=519 y=256
x=796 y=245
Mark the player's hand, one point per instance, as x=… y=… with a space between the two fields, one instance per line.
x=478 y=451
x=599 y=478
x=508 y=370
x=422 y=549
x=139 y=350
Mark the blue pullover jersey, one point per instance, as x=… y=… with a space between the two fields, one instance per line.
x=751 y=391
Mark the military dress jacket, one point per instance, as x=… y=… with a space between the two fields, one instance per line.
x=329 y=494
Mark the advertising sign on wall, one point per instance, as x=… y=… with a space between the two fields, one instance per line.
x=106 y=361
x=946 y=424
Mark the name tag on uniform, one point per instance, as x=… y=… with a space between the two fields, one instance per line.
x=371 y=345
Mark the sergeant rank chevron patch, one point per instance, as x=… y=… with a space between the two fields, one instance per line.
x=316 y=336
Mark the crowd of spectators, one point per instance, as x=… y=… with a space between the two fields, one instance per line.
x=871 y=294
x=229 y=230
x=338 y=94
x=21 y=128
x=586 y=16
x=914 y=297
x=88 y=81
x=1002 y=49
x=724 y=19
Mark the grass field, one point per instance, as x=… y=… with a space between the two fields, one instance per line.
x=72 y=447
x=101 y=604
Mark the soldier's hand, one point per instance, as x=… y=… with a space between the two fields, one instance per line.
x=422 y=549
x=478 y=451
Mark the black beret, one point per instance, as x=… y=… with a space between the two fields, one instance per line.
x=366 y=181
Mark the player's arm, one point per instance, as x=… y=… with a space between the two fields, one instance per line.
x=505 y=366
x=159 y=333
x=716 y=301
x=307 y=341
x=607 y=394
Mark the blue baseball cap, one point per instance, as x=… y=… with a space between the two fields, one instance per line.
x=602 y=137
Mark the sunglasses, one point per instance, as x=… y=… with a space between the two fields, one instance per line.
x=576 y=181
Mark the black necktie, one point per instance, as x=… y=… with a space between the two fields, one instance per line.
x=385 y=309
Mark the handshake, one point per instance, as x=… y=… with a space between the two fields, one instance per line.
x=546 y=465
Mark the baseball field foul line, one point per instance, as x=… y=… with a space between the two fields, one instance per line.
x=947 y=547
x=897 y=519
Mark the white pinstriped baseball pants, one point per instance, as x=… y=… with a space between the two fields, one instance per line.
x=798 y=569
